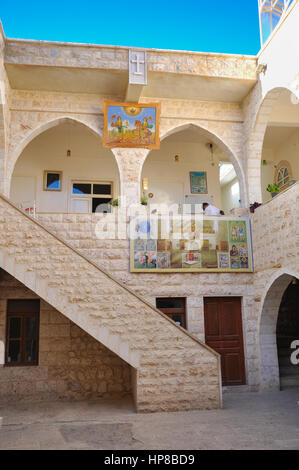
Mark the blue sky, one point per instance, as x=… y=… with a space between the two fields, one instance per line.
x=229 y=26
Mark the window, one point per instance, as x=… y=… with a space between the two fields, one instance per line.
x=52 y=180
x=22 y=333
x=174 y=308
x=283 y=174
x=87 y=197
x=235 y=189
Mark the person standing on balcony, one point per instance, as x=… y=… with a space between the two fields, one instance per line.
x=209 y=209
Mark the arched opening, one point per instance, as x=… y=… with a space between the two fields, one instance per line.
x=287 y=332
x=193 y=166
x=279 y=327
x=47 y=357
x=279 y=156
x=65 y=169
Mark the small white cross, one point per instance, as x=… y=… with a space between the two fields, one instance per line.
x=138 y=62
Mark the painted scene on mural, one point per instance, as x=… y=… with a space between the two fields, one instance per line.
x=209 y=244
x=131 y=125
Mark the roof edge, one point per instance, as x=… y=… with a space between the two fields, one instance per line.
x=89 y=45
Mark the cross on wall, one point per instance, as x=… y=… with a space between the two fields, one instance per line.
x=138 y=61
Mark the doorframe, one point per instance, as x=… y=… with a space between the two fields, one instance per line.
x=244 y=330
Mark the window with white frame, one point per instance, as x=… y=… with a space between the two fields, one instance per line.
x=91 y=196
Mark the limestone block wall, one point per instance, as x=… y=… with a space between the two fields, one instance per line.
x=42 y=53
x=275 y=232
x=4 y=110
x=172 y=369
x=276 y=256
x=80 y=231
x=33 y=112
x=72 y=364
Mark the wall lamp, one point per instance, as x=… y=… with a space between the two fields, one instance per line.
x=261 y=68
x=145 y=184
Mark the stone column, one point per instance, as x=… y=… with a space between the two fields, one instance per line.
x=130 y=162
x=2 y=103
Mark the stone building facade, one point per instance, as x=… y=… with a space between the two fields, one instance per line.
x=101 y=335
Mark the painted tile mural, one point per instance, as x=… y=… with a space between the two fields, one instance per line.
x=131 y=125
x=184 y=244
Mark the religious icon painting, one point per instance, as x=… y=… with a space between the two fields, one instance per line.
x=131 y=125
x=140 y=245
x=237 y=231
x=198 y=182
x=244 y=263
x=163 y=260
x=223 y=260
x=151 y=245
x=164 y=245
x=191 y=259
x=145 y=260
x=235 y=263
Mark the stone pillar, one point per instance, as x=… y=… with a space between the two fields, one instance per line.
x=260 y=119
x=2 y=103
x=130 y=162
x=270 y=379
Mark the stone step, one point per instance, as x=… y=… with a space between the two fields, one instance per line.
x=289 y=371
x=285 y=361
x=289 y=382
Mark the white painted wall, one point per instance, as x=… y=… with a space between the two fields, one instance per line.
x=287 y=150
x=281 y=54
x=89 y=161
x=230 y=199
x=170 y=181
x=267 y=172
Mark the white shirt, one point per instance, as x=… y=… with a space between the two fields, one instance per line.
x=212 y=210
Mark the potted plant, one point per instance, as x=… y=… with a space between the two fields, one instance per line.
x=273 y=189
x=143 y=200
x=114 y=203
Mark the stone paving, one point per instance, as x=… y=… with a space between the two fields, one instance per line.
x=247 y=421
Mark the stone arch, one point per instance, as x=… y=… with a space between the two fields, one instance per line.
x=217 y=140
x=30 y=135
x=269 y=368
x=256 y=141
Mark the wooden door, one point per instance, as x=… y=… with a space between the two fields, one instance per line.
x=224 y=333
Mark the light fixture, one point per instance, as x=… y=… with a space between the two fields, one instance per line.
x=177 y=158
x=261 y=68
x=68 y=140
x=145 y=184
x=211 y=147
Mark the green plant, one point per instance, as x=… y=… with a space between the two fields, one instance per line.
x=144 y=200
x=273 y=188
x=114 y=203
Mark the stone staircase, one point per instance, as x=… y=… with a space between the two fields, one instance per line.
x=171 y=369
x=289 y=373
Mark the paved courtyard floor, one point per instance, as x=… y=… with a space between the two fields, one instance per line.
x=247 y=421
